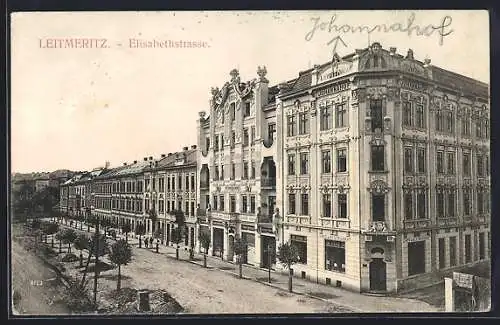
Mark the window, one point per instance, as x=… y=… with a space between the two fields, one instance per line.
x=216 y=144
x=466 y=202
x=407 y=113
x=326 y=118
x=453 y=251
x=233 y=139
x=221 y=202
x=378 y=207
x=303 y=123
x=376 y=114
x=222 y=172
x=479 y=129
x=232 y=112
x=442 y=256
x=291 y=126
x=335 y=255
x=291 y=203
x=291 y=164
x=480 y=203
x=480 y=167
x=207 y=144
x=341 y=116
x=416 y=257
x=244 y=204
x=450 y=126
x=408 y=154
x=440 y=205
x=482 y=254
x=245 y=138
x=450 y=159
x=186 y=184
x=252 y=174
x=421 y=160
x=377 y=158
x=252 y=135
x=247 y=109
x=419 y=109
x=271 y=130
x=440 y=162
x=233 y=171
x=179 y=182
x=304 y=201
x=161 y=184
x=466 y=126
x=192 y=183
x=300 y=243
x=421 y=205
x=252 y=203
x=439 y=121
x=341 y=160
x=161 y=206
x=245 y=170
x=468 y=249
x=146 y=205
x=408 y=199
x=304 y=163
x=326 y=162
x=466 y=163
x=232 y=203
x=342 y=205
x=215 y=201
x=186 y=207
x=327 y=206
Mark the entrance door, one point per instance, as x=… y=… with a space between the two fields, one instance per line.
x=378 y=275
x=168 y=233
x=192 y=237
x=268 y=248
x=230 y=248
x=218 y=242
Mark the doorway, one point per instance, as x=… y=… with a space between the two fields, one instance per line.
x=218 y=247
x=378 y=275
x=268 y=248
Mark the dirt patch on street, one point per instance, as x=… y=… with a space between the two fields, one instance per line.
x=125 y=302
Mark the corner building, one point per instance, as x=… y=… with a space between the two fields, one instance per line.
x=237 y=166
x=383 y=170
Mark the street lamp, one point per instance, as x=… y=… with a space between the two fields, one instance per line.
x=269 y=261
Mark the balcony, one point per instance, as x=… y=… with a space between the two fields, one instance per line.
x=268 y=182
x=379 y=228
x=447 y=221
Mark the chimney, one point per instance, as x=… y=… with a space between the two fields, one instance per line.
x=185 y=149
x=124 y=164
x=135 y=161
x=145 y=158
x=150 y=158
x=106 y=164
x=169 y=154
x=163 y=155
x=193 y=146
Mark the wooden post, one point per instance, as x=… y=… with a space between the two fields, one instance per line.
x=143 y=301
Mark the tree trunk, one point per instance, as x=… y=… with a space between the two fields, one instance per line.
x=119 y=283
x=60 y=246
x=86 y=268
x=177 y=252
x=289 y=280
x=69 y=247
x=241 y=270
x=140 y=241
x=204 y=260
x=81 y=259
x=52 y=241
x=126 y=237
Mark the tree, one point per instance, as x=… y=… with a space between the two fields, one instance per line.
x=45 y=199
x=126 y=228
x=154 y=217
x=60 y=237
x=50 y=228
x=140 y=229
x=22 y=199
x=97 y=241
x=69 y=236
x=288 y=255
x=121 y=254
x=81 y=243
x=240 y=249
x=205 y=240
x=177 y=239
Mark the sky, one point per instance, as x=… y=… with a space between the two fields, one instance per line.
x=76 y=108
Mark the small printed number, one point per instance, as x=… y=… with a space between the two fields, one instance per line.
x=37 y=283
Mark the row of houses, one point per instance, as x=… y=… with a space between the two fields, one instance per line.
x=375 y=166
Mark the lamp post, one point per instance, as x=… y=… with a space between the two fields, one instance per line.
x=269 y=260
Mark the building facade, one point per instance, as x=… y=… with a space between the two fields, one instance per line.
x=384 y=172
x=237 y=166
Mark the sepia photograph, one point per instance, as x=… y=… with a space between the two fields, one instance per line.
x=320 y=162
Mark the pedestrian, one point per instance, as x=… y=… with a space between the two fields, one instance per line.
x=151 y=242
x=146 y=242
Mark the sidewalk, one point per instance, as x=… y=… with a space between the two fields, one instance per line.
x=354 y=301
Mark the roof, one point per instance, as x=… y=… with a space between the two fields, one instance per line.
x=187 y=157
